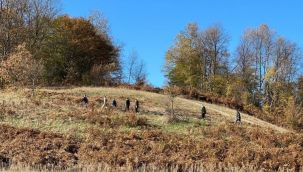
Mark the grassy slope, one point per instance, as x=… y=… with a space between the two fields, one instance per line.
x=59 y=111
x=158 y=103
x=53 y=110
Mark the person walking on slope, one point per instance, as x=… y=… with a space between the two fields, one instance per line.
x=84 y=100
x=104 y=102
x=238 y=117
x=137 y=106
x=127 y=104
x=203 y=112
x=114 y=103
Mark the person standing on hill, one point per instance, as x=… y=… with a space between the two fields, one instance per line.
x=238 y=116
x=84 y=100
x=137 y=106
x=127 y=104
x=114 y=103
x=203 y=112
x=104 y=102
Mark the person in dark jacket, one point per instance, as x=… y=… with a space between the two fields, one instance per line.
x=127 y=104
x=114 y=103
x=84 y=100
x=137 y=106
x=203 y=112
x=238 y=117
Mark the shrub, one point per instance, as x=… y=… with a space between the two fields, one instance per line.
x=21 y=68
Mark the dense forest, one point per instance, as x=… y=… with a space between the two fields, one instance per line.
x=262 y=75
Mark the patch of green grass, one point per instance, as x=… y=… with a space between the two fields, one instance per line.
x=156 y=120
x=129 y=129
x=181 y=127
x=57 y=125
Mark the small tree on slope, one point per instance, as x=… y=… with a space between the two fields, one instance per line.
x=21 y=69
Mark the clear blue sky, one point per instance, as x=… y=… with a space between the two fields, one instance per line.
x=150 y=26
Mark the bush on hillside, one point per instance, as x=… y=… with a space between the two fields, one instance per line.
x=21 y=68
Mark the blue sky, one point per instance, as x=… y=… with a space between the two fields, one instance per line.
x=150 y=26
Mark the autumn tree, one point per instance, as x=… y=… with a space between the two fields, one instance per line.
x=77 y=54
x=258 y=47
x=266 y=64
x=294 y=114
x=198 y=59
x=182 y=65
x=281 y=75
x=25 y=21
x=21 y=68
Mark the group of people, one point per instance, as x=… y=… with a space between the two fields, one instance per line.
x=127 y=105
x=238 y=115
x=137 y=106
x=114 y=103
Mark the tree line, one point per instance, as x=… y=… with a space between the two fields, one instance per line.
x=263 y=71
x=39 y=46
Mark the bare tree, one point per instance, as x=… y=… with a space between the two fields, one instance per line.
x=172 y=94
x=24 y=21
x=136 y=72
x=245 y=62
x=139 y=74
x=285 y=57
x=215 y=42
x=100 y=22
x=131 y=62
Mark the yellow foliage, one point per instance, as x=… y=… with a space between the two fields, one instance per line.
x=270 y=73
x=218 y=84
x=266 y=108
x=290 y=112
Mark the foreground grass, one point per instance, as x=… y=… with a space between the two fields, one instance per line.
x=151 y=168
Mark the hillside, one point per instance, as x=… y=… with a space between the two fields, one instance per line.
x=54 y=131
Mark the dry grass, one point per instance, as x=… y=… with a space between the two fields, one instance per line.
x=57 y=133
x=151 y=168
x=229 y=145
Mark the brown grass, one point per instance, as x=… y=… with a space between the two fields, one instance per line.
x=226 y=144
x=54 y=131
x=109 y=168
